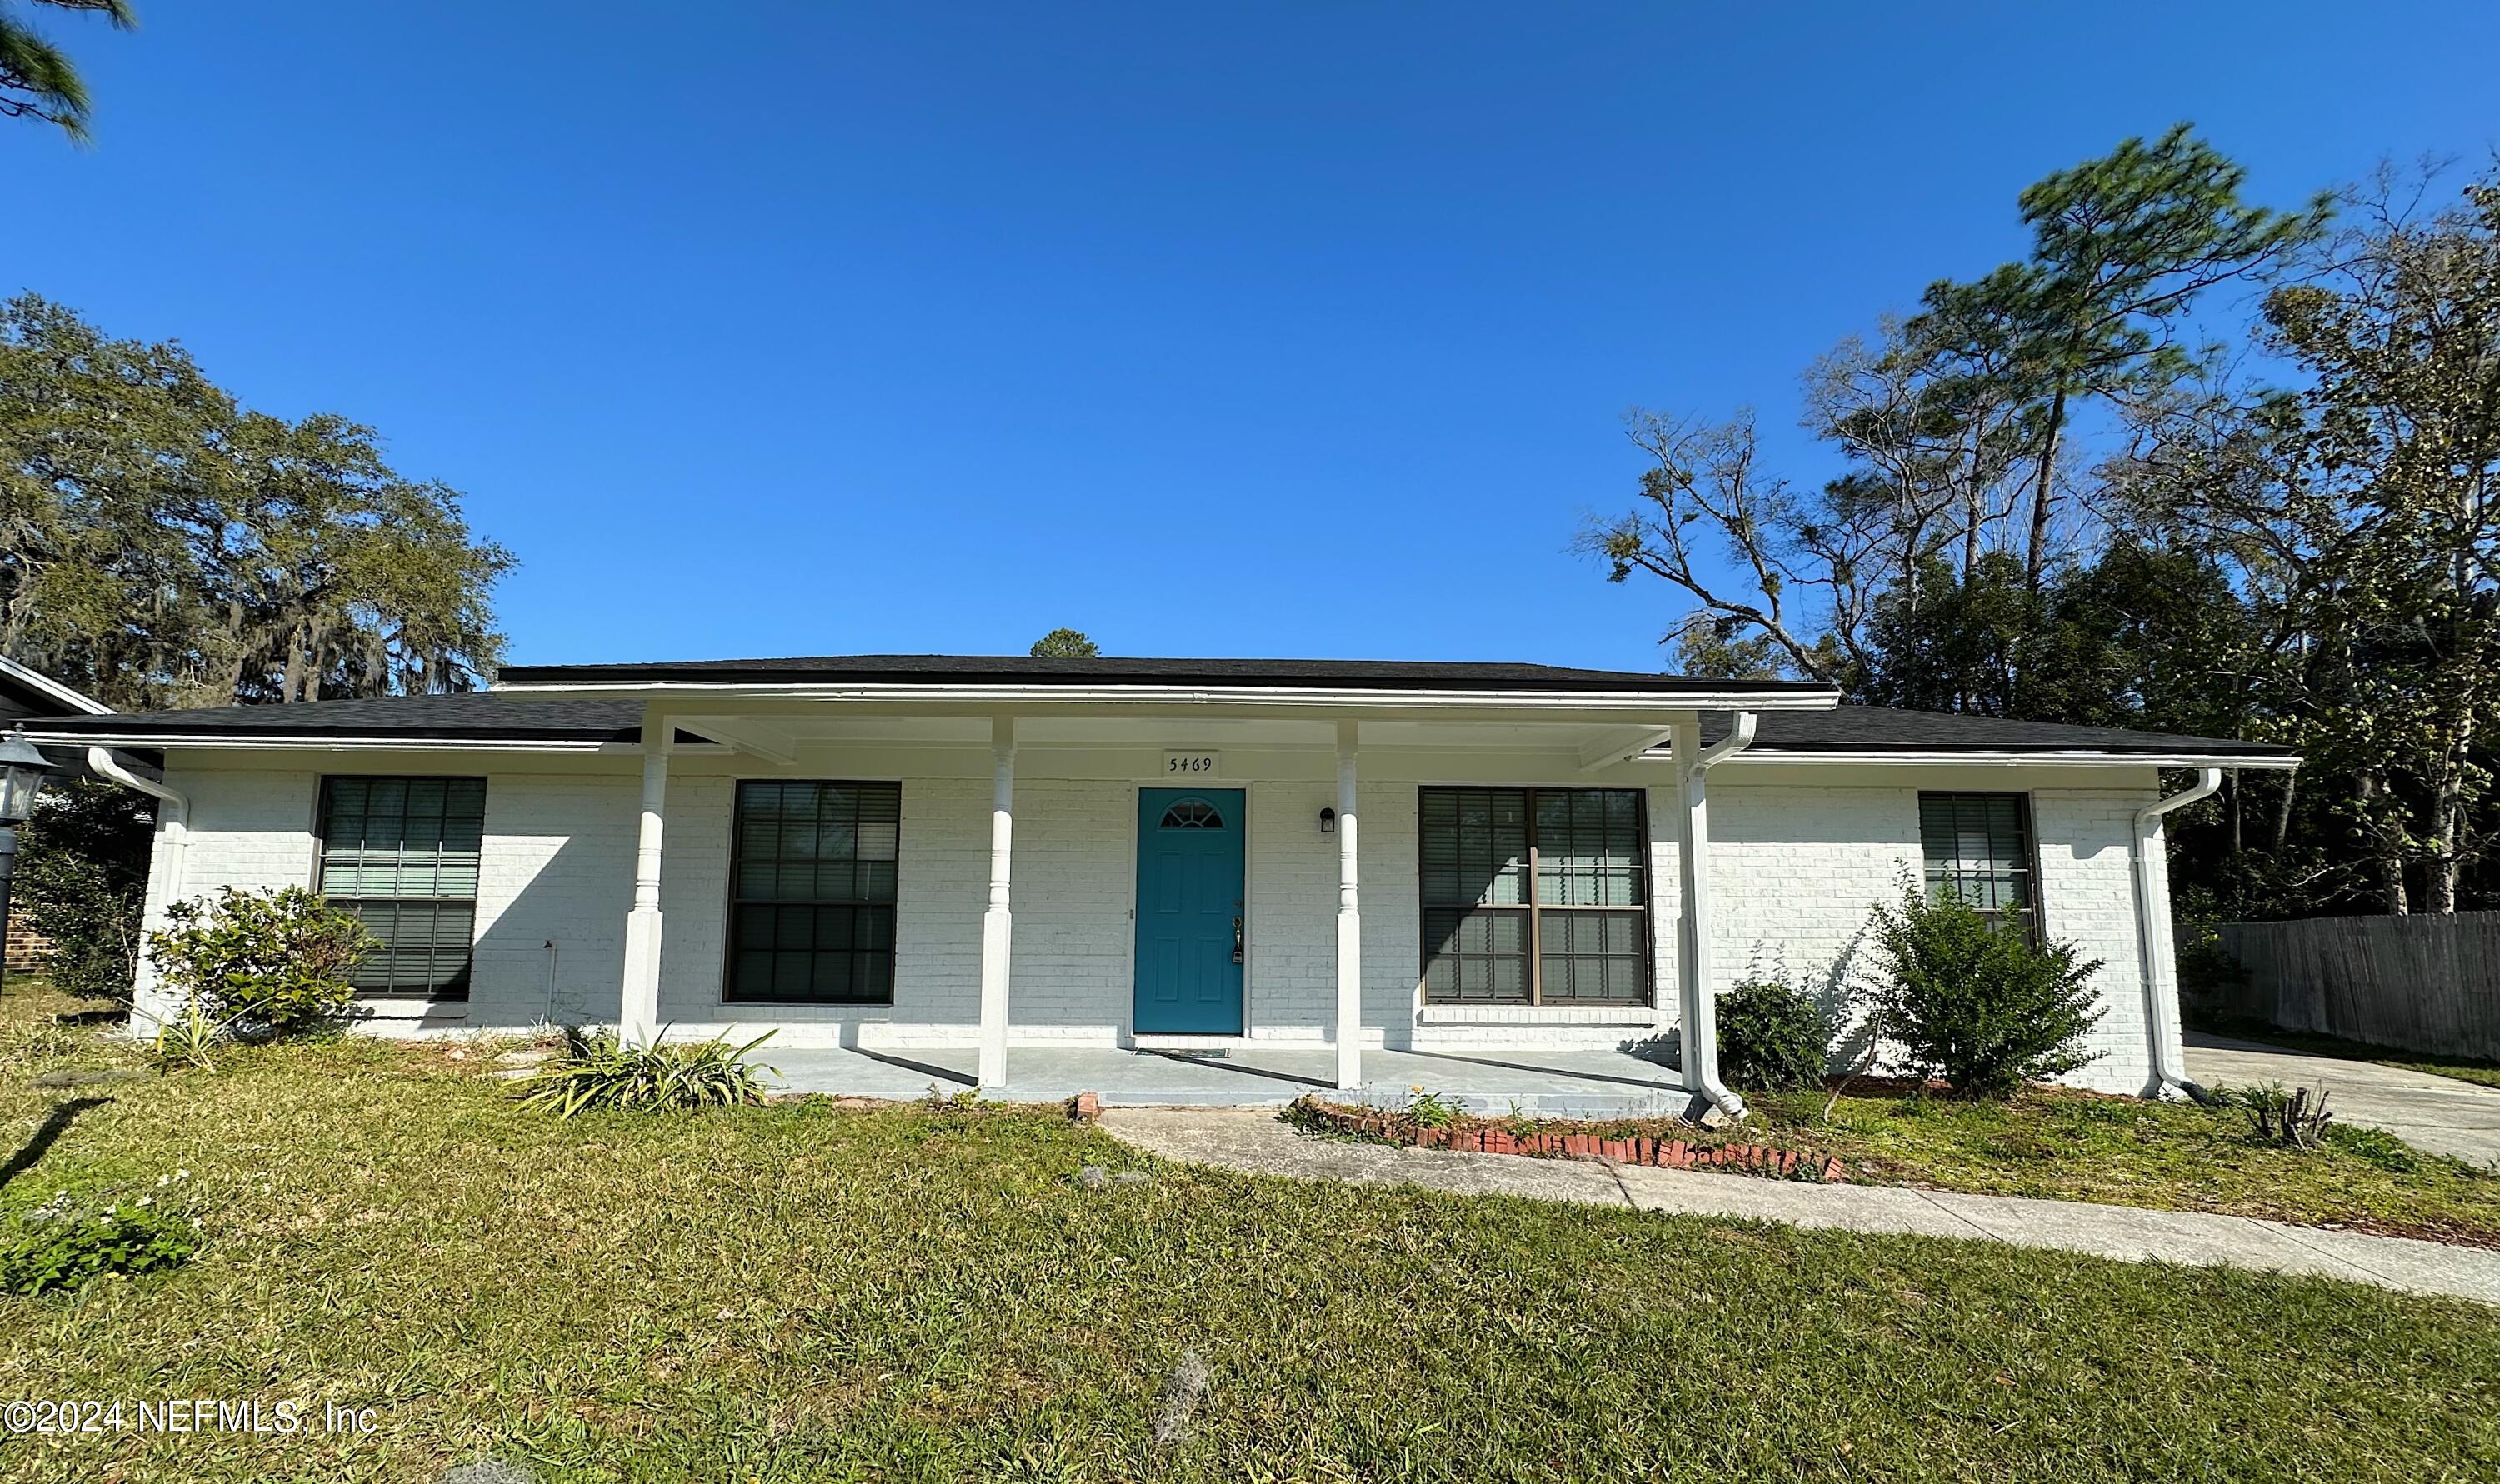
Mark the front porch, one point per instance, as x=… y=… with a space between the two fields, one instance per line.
x=1542 y=1082
x=1216 y=888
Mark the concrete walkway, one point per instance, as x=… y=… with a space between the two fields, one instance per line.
x=2428 y=1111
x=1254 y=1140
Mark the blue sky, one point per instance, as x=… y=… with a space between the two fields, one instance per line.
x=1245 y=330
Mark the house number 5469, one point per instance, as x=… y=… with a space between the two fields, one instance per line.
x=1184 y=765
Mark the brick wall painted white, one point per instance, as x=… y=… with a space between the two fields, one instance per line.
x=2087 y=897
x=250 y=829
x=1293 y=912
x=1067 y=972
x=1796 y=869
x=694 y=895
x=1393 y=926
x=554 y=882
x=1794 y=874
x=2166 y=971
x=1797 y=872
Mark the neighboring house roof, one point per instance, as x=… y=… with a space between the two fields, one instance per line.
x=1037 y=670
x=490 y=719
x=26 y=691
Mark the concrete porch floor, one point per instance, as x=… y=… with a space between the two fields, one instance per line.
x=1484 y=1079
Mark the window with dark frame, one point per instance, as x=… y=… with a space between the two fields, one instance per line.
x=400 y=855
x=1978 y=847
x=812 y=893
x=1534 y=896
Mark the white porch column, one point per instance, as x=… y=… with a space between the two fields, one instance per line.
x=1695 y=1005
x=997 y=920
x=638 y=1015
x=1349 y=920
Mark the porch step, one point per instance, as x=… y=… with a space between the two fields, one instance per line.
x=1193 y=1045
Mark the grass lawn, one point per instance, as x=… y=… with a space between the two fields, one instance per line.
x=2127 y=1151
x=2465 y=1069
x=2065 y=1145
x=806 y=1292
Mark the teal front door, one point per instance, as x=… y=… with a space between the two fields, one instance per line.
x=1190 y=901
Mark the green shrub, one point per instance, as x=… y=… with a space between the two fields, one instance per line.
x=1984 y=1006
x=81 y=877
x=61 y=1244
x=274 y=962
x=1772 y=1036
x=596 y=1072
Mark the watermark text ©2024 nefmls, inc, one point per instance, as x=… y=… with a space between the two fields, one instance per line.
x=186 y=1414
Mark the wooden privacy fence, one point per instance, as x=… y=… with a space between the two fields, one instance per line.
x=2420 y=983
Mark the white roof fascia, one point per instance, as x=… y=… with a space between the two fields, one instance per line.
x=75 y=700
x=2063 y=758
x=323 y=744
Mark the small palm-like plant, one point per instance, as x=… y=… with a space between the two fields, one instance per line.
x=188 y=1041
x=596 y=1072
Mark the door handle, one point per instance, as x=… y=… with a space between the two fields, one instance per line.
x=1236 y=940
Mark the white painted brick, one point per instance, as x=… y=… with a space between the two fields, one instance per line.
x=1797 y=870
x=250 y=828
x=554 y=882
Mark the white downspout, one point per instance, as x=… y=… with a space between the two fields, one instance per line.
x=2156 y=962
x=1735 y=742
x=174 y=822
x=1700 y=1006
x=177 y=823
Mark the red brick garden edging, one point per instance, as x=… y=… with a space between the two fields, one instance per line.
x=1394 y=1128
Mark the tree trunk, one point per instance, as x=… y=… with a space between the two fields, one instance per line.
x=237 y=658
x=2044 y=493
x=2391 y=862
x=317 y=642
x=292 y=675
x=2447 y=828
x=2392 y=885
x=2283 y=809
x=2439 y=885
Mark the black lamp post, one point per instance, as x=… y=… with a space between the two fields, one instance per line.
x=21 y=773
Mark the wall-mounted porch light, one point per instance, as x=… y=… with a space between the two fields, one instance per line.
x=1328 y=821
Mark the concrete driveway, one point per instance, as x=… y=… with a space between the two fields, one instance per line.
x=2440 y=1114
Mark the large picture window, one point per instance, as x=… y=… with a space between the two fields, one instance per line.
x=1534 y=896
x=1978 y=847
x=400 y=856
x=812 y=893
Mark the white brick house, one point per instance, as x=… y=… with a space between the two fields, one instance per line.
x=904 y=851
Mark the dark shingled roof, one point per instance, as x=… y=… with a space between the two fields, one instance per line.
x=1031 y=669
x=474 y=715
x=1881 y=729
x=485 y=717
